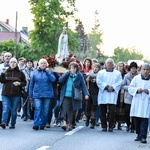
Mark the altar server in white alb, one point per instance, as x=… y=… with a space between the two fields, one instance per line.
x=139 y=88
x=109 y=81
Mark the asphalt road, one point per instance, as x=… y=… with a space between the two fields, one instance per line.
x=23 y=137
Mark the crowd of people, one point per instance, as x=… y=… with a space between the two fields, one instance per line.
x=112 y=94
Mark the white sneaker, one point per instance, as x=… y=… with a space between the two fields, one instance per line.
x=54 y=123
x=84 y=118
x=58 y=124
x=18 y=114
x=148 y=134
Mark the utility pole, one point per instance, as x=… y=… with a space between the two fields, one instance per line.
x=15 y=42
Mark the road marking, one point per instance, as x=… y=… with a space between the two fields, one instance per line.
x=43 y=148
x=74 y=130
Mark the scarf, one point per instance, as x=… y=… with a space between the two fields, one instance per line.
x=93 y=74
x=130 y=76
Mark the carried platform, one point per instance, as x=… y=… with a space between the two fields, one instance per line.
x=59 y=69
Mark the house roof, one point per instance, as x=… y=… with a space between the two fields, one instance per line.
x=10 y=34
x=7 y=26
x=24 y=37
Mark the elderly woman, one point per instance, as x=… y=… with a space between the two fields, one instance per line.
x=93 y=90
x=13 y=80
x=120 y=117
x=69 y=105
x=41 y=91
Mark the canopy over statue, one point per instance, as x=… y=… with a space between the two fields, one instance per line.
x=63 y=45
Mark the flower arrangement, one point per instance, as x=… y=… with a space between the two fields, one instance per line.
x=53 y=61
x=66 y=61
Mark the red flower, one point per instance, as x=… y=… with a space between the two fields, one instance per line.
x=70 y=55
x=63 y=59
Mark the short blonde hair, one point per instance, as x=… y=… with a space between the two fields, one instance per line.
x=7 y=53
x=22 y=58
x=43 y=60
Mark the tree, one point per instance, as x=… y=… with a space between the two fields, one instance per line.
x=95 y=38
x=49 y=19
x=82 y=37
x=9 y=46
x=121 y=54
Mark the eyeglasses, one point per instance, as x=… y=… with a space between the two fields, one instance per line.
x=12 y=62
x=7 y=56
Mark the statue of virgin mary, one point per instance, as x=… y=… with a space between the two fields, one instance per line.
x=62 y=46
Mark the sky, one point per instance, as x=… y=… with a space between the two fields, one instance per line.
x=124 y=23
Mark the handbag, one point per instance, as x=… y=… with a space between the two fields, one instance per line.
x=77 y=93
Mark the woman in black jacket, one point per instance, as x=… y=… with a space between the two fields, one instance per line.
x=13 y=80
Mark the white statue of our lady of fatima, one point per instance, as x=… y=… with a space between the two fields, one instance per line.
x=62 y=46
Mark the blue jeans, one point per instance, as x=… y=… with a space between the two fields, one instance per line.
x=98 y=113
x=50 y=113
x=26 y=108
x=149 y=123
x=41 y=111
x=10 y=103
x=57 y=110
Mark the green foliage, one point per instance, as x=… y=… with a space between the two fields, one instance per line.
x=92 y=42
x=121 y=54
x=9 y=47
x=72 y=41
x=95 y=36
x=49 y=19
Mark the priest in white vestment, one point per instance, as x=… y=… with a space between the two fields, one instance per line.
x=139 y=88
x=109 y=81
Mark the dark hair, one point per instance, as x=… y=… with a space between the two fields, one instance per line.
x=133 y=64
x=74 y=64
x=29 y=60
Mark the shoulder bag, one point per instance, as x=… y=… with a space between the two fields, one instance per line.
x=77 y=93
